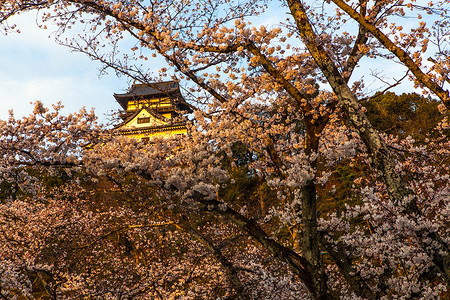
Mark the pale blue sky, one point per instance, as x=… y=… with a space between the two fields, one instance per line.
x=33 y=67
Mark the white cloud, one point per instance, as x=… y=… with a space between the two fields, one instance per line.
x=33 y=67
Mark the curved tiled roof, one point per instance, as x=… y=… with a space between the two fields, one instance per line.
x=152 y=89
x=169 y=89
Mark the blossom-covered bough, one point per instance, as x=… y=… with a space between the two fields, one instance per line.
x=252 y=203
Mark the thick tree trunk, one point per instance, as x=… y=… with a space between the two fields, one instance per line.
x=310 y=237
x=310 y=243
x=380 y=155
x=376 y=147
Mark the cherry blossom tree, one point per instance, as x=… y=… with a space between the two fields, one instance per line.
x=277 y=106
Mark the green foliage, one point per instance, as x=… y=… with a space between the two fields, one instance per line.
x=404 y=115
x=7 y=190
x=244 y=184
x=339 y=190
x=50 y=178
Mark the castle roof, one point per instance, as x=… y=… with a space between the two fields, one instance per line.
x=169 y=89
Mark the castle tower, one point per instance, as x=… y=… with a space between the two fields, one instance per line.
x=149 y=110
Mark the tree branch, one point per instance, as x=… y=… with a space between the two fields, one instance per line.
x=397 y=51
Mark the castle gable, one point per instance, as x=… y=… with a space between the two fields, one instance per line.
x=144 y=118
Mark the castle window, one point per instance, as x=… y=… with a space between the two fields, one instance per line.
x=143 y=120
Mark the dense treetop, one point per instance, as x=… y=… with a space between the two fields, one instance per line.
x=295 y=180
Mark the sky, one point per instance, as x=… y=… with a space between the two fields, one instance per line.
x=33 y=67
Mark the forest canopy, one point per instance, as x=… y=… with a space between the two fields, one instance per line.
x=295 y=180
